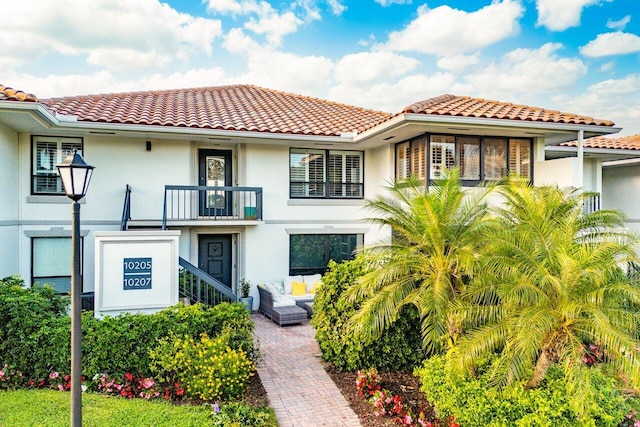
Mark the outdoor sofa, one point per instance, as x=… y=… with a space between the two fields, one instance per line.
x=288 y=302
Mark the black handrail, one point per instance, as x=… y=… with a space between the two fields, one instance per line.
x=126 y=209
x=199 y=286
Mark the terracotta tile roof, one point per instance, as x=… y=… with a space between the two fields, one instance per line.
x=238 y=108
x=464 y=106
x=10 y=94
x=615 y=143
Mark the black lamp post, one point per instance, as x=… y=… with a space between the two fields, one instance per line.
x=75 y=174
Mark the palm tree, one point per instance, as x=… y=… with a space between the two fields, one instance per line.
x=436 y=236
x=552 y=281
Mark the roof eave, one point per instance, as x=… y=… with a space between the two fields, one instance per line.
x=220 y=134
x=570 y=129
x=35 y=109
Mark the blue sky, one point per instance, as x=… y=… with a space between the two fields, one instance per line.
x=580 y=56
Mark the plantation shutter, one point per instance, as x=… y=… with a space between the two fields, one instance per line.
x=520 y=157
x=419 y=159
x=403 y=161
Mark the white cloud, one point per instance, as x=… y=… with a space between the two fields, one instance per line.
x=458 y=63
x=365 y=67
x=447 y=31
x=560 y=15
x=607 y=66
x=617 y=43
x=337 y=8
x=142 y=29
x=620 y=24
x=274 y=25
x=524 y=71
x=392 y=97
x=613 y=99
x=279 y=70
x=265 y=20
x=54 y=85
x=386 y=3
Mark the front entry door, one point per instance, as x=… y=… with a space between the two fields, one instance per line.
x=215 y=256
x=215 y=171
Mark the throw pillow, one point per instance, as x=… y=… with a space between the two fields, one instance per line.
x=289 y=280
x=298 y=288
x=315 y=287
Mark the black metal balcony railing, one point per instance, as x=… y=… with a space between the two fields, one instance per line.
x=192 y=203
x=591 y=203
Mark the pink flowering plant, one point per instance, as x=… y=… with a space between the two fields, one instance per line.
x=131 y=386
x=10 y=378
x=391 y=405
x=631 y=420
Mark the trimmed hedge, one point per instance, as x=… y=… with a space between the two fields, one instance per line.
x=35 y=333
x=399 y=348
x=474 y=402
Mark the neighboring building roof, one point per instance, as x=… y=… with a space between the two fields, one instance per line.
x=10 y=94
x=239 y=108
x=464 y=106
x=614 y=143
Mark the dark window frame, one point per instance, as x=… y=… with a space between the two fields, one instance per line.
x=42 y=279
x=481 y=139
x=294 y=271
x=75 y=140
x=327 y=184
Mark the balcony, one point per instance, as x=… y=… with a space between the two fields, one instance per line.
x=185 y=204
x=591 y=203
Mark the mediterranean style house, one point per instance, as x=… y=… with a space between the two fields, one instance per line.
x=263 y=184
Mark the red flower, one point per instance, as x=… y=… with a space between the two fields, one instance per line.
x=128 y=376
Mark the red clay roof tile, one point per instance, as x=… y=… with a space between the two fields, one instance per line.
x=614 y=143
x=10 y=94
x=464 y=106
x=239 y=108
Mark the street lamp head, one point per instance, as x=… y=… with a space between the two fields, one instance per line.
x=75 y=174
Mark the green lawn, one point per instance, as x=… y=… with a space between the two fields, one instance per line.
x=51 y=409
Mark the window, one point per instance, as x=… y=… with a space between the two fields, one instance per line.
x=51 y=262
x=520 y=157
x=443 y=155
x=478 y=158
x=495 y=158
x=310 y=253
x=469 y=158
x=411 y=159
x=325 y=173
x=47 y=153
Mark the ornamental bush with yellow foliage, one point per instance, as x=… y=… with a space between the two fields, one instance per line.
x=208 y=368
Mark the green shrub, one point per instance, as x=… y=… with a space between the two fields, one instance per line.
x=121 y=344
x=207 y=368
x=34 y=328
x=236 y=414
x=399 y=348
x=474 y=402
x=35 y=333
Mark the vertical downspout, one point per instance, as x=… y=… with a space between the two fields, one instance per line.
x=580 y=171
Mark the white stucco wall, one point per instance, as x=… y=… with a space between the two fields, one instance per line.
x=266 y=247
x=621 y=190
x=9 y=172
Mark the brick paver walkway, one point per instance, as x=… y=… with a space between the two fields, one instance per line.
x=299 y=389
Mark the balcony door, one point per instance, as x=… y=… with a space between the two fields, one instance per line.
x=215 y=171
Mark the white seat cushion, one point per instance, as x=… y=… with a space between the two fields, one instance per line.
x=305 y=297
x=284 y=302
